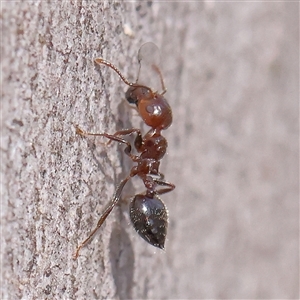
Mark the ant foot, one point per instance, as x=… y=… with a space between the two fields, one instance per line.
x=76 y=254
x=79 y=131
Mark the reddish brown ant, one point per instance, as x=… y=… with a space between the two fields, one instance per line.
x=148 y=213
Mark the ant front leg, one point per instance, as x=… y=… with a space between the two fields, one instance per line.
x=169 y=186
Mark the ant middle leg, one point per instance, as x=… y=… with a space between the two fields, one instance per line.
x=128 y=132
x=114 y=137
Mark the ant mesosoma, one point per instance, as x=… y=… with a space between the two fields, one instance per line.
x=148 y=213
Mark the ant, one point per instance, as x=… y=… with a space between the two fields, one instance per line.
x=148 y=213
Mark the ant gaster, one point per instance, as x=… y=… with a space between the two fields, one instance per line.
x=148 y=213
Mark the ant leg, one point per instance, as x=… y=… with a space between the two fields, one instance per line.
x=106 y=212
x=127 y=132
x=160 y=176
x=170 y=186
x=83 y=133
x=113 y=137
x=127 y=150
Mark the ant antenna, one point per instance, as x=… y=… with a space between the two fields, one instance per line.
x=109 y=64
x=102 y=61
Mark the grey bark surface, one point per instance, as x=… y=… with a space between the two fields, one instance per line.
x=232 y=73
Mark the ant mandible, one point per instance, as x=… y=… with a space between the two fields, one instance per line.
x=148 y=213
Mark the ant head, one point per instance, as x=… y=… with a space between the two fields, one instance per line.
x=136 y=92
x=152 y=107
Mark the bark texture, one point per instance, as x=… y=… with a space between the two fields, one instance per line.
x=232 y=72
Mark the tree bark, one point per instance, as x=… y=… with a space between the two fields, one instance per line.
x=232 y=73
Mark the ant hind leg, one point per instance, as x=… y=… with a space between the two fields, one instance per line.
x=104 y=215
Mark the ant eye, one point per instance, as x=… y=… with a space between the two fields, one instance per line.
x=145 y=92
x=135 y=93
x=149 y=217
x=130 y=95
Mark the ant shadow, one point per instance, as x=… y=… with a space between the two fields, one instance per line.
x=121 y=251
x=122 y=261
